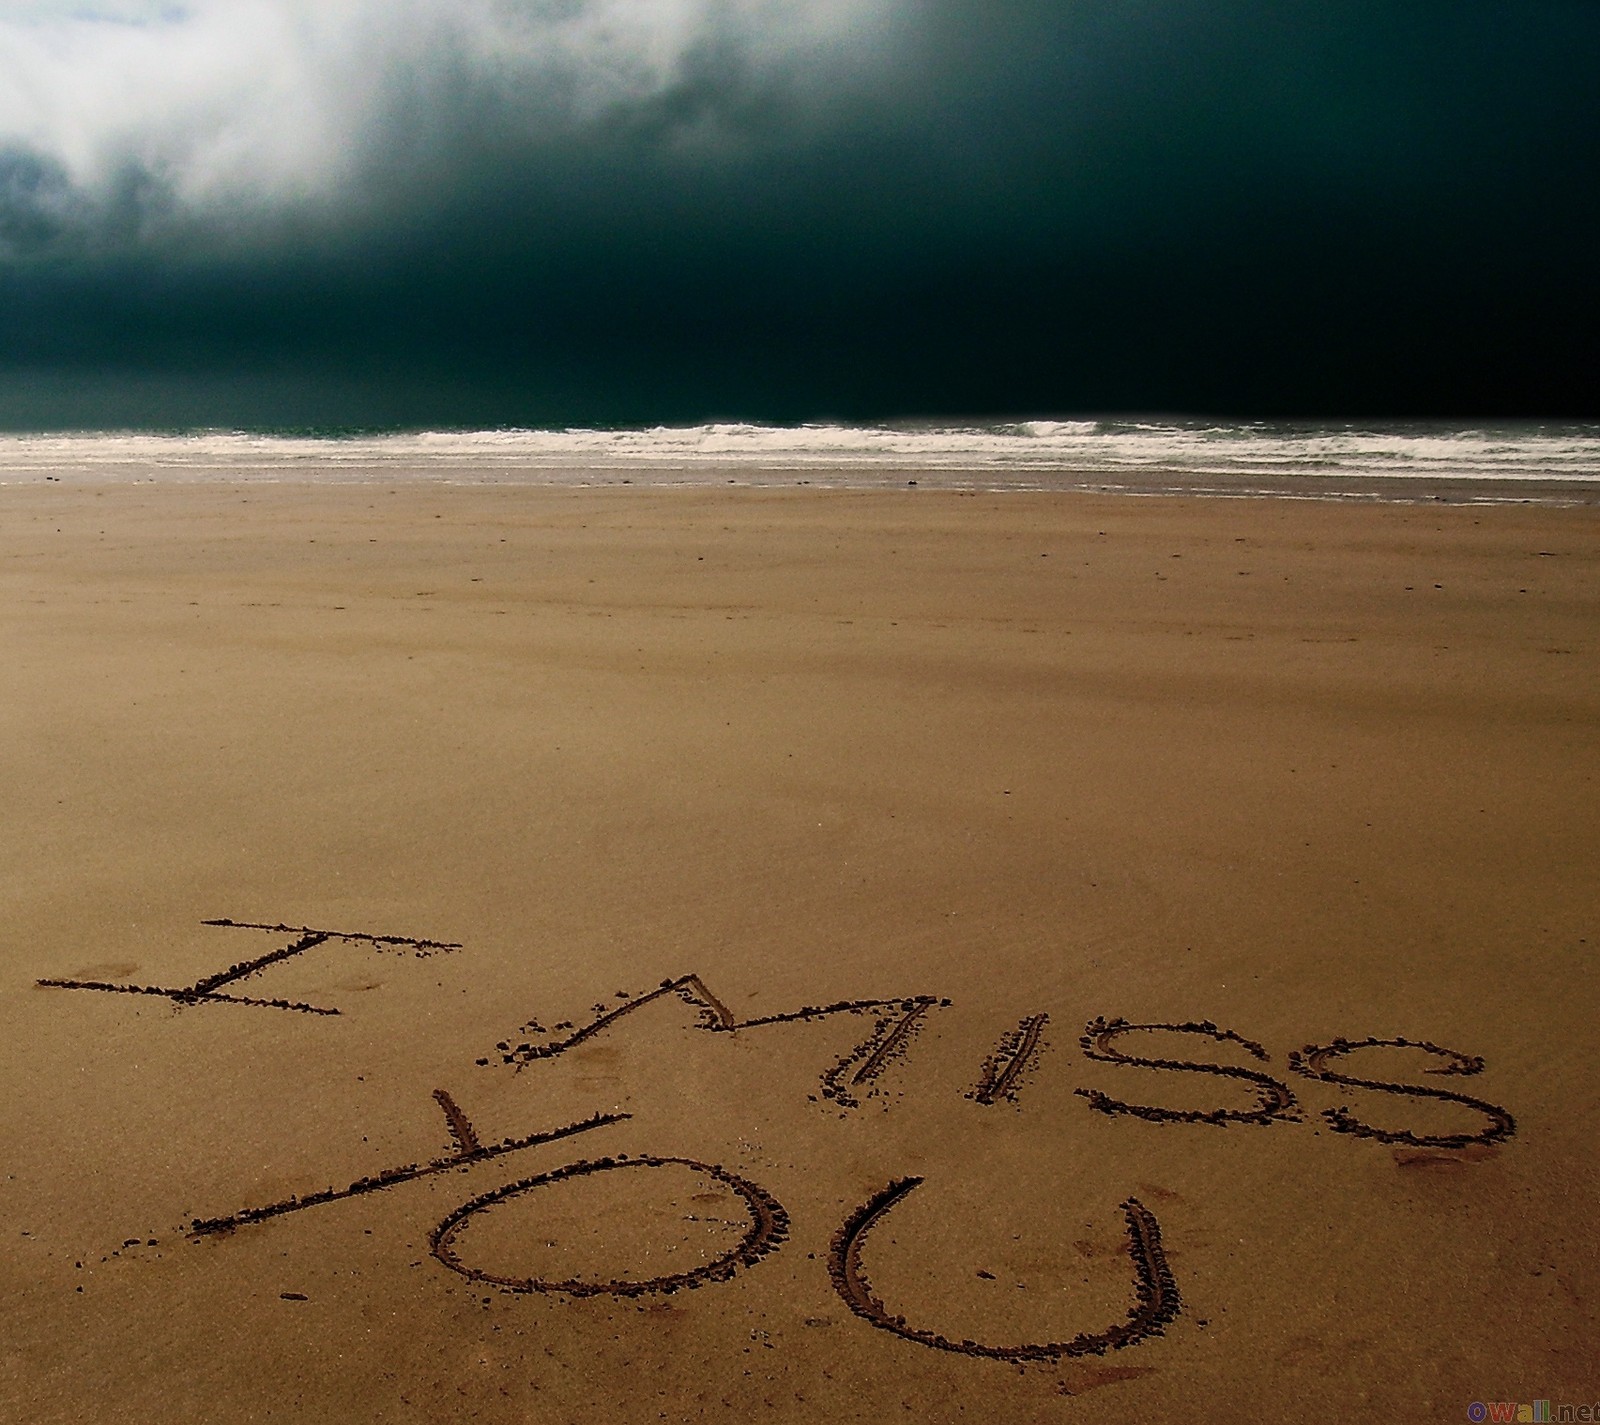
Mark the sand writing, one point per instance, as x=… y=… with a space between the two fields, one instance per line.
x=1313 y=1060
x=1275 y=1103
x=1156 y=1293
x=1012 y=1056
x=859 y=1071
x=468 y=1150
x=762 y=1222
x=768 y=1227
x=714 y=1016
x=843 y=1083
x=209 y=989
x=458 y=1123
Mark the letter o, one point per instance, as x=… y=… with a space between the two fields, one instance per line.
x=769 y=1225
x=1477 y=1412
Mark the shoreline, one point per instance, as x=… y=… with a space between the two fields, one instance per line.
x=1400 y=461
x=1479 y=491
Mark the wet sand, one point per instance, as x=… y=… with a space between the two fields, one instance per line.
x=538 y=954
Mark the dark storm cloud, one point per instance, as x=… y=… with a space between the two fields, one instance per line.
x=498 y=212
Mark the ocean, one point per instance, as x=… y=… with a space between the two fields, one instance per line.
x=1523 y=463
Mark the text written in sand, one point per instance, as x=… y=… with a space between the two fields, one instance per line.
x=754 y=1224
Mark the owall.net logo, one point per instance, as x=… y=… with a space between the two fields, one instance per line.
x=1537 y=1412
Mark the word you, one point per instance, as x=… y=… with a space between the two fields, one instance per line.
x=1156 y=1300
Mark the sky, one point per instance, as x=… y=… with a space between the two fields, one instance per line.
x=291 y=214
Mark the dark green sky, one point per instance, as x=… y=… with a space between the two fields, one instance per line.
x=1326 y=210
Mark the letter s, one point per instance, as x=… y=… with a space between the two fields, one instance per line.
x=1313 y=1061
x=1275 y=1100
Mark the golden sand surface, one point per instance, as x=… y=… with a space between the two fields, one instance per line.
x=1016 y=788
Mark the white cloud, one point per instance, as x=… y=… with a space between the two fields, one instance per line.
x=234 y=107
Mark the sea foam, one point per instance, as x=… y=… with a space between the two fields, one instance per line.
x=1142 y=456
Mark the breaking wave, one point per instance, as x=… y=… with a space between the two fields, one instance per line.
x=1029 y=454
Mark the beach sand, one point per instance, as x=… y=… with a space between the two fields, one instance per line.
x=982 y=768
